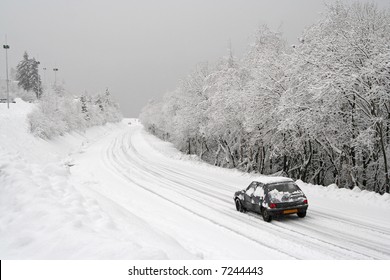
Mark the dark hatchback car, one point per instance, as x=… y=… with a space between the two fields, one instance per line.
x=272 y=196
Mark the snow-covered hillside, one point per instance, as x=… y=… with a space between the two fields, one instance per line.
x=44 y=216
x=118 y=192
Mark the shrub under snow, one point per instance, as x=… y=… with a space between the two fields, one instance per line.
x=57 y=114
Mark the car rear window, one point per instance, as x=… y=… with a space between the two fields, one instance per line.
x=289 y=187
x=284 y=192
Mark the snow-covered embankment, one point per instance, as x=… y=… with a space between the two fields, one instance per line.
x=43 y=216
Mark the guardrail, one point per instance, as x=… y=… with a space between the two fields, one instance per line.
x=4 y=100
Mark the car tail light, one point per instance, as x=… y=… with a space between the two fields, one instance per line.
x=305 y=201
x=272 y=205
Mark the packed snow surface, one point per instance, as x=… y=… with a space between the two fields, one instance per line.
x=117 y=192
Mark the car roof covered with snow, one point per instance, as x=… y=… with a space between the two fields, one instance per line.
x=272 y=179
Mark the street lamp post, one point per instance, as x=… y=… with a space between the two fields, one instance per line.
x=6 y=47
x=44 y=77
x=55 y=75
x=55 y=85
x=39 y=86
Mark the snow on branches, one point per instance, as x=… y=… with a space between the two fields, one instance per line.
x=319 y=111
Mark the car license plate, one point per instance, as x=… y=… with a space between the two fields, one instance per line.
x=290 y=211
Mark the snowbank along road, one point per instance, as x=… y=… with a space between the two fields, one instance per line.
x=117 y=192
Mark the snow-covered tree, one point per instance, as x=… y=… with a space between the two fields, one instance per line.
x=27 y=75
x=84 y=107
x=339 y=91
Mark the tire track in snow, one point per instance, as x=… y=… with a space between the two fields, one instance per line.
x=366 y=247
x=369 y=227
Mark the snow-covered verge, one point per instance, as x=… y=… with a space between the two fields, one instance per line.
x=42 y=215
x=343 y=195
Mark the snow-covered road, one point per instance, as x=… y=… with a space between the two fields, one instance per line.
x=185 y=207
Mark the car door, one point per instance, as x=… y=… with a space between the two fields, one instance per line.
x=248 y=196
x=258 y=198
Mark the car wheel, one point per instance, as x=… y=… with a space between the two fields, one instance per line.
x=301 y=214
x=238 y=205
x=266 y=216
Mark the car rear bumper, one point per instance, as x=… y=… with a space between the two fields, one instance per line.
x=287 y=210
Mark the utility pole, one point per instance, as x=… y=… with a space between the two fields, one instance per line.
x=6 y=47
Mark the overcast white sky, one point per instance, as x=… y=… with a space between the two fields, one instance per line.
x=139 y=49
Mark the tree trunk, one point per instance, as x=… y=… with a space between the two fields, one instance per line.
x=285 y=168
x=383 y=148
x=307 y=163
x=228 y=154
x=217 y=153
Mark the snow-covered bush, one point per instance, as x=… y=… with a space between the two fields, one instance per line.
x=58 y=113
